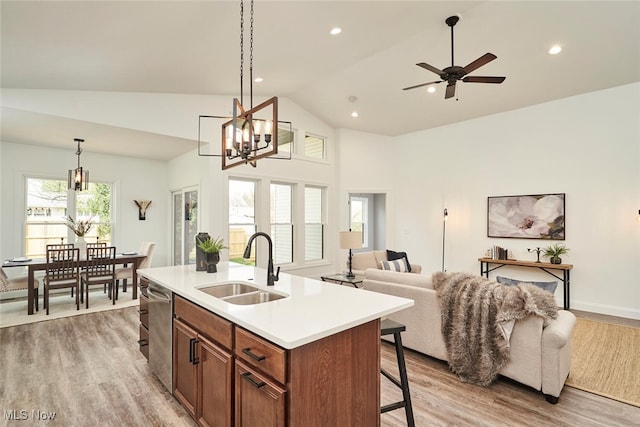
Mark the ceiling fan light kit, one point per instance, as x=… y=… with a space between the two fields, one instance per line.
x=451 y=75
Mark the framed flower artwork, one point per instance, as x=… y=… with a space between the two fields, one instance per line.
x=537 y=216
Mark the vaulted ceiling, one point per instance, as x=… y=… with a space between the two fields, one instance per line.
x=193 y=48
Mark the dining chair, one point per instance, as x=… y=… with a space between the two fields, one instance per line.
x=126 y=272
x=100 y=269
x=18 y=283
x=62 y=271
x=97 y=245
x=61 y=246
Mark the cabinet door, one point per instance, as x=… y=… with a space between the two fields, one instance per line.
x=215 y=385
x=259 y=401
x=185 y=369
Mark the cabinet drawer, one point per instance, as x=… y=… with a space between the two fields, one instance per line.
x=262 y=354
x=144 y=341
x=208 y=324
x=144 y=310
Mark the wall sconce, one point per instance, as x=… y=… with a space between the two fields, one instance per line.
x=638 y=218
x=142 y=208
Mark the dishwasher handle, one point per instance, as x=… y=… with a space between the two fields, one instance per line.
x=158 y=295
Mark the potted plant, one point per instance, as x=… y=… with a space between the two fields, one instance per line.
x=554 y=251
x=211 y=248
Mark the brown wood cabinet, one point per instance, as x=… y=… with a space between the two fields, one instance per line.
x=202 y=370
x=241 y=379
x=143 y=342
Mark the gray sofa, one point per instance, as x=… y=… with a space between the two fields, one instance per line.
x=540 y=357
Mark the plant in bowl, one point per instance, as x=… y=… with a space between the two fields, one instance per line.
x=554 y=251
x=212 y=247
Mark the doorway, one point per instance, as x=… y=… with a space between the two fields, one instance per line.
x=367 y=213
x=185 y=226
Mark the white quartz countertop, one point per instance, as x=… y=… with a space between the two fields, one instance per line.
x=311 y=310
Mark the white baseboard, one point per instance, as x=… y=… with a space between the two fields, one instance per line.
x=611 y=310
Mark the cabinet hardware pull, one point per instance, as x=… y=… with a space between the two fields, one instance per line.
x=191 y=341
x=195 y=354
x=143 y=311
x=247 y=376
x=143 y=342
x=255 y=357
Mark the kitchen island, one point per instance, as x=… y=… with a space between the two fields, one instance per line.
x=309 y=358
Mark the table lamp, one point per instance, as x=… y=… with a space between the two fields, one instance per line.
x=350 y=240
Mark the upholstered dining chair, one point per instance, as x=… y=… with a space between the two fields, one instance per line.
x=100 y=269
x=18 y=283
x=62 y=271
x=124 y=273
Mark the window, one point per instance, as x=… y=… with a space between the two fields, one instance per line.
x=314 y=146
x=48 y=203
x=358 y=217
x=313 y=224
x=242 y=219
x=281 y=224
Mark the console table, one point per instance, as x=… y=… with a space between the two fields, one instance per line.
x=544 y=266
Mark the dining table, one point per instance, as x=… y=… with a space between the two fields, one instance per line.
x=39 y=264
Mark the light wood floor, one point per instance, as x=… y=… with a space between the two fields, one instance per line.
x=87 y=369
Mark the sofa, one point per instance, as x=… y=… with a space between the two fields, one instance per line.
x=372 y=259
x=540 y=357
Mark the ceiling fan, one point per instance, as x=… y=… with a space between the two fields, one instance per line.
x=452 y=74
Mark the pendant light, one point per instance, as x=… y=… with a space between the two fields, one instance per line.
x=78 y=179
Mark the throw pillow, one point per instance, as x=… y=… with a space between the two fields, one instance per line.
x=547 y=286
x=393 y=255
x=395 y=265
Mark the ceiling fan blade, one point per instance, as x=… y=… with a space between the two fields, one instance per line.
x=430 y=68
x=420 y=85
x=484 y=59
x=483 y=79
x=451 y=90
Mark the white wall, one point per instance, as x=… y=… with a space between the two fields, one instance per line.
x=134 y=179
x=586 y=146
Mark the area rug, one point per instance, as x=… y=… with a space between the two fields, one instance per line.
x=14 y=313
x=606 y=360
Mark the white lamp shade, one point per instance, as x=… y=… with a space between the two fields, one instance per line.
x=350 y=239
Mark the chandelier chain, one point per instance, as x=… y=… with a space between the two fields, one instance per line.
x=251 y=54
x=241 y=48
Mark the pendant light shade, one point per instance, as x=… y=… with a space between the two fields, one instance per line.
x=78 y=179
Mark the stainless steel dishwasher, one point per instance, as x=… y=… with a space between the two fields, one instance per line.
x=161 y=333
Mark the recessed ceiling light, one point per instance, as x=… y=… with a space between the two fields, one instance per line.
x=431 y=89
x=335 y=31
x=258 y=79
x=354 y=114
x=555 y=49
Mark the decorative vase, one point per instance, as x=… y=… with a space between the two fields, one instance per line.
x=201 y=257
x=213 y=258
x=556 y=260
x=82 y=245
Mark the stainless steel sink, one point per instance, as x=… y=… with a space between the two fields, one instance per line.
x=254 y=298
x=228 y=289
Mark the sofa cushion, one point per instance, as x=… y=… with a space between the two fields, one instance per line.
x=393 y=255
x=364 y=260
x=547 y=286
x=395 y=265
x=417 y=280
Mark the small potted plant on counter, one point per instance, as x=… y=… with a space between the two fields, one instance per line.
x=211 y=248
x=554 y=251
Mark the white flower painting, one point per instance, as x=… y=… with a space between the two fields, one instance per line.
x=527 y=217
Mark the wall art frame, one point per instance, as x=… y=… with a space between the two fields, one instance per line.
x=532 y=216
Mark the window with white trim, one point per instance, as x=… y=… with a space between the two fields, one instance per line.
x=281 y=222
x=313 y=223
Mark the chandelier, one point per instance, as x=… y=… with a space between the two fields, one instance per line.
x=250 y=134
x=78 y=179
